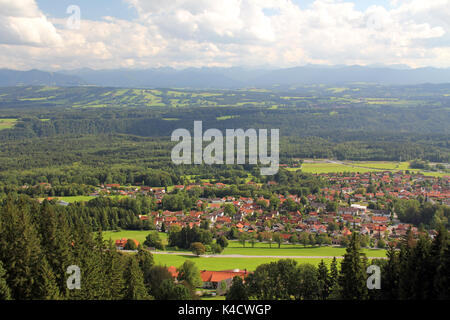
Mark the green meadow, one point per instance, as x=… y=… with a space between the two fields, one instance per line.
x=264 y=249
x=177 y=258
x=361 y=167
x=325 y=167
x=218 y=264
x=131 y=234
x=7 y=123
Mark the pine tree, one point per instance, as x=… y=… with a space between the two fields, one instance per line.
x=335 y=290
x=442 y=280
x=416 y=274
x=421 y=271
x=22 y=255
x=323 y=281
x=238 y=290
x=5 y=293
x=113 y=266
x=334 y=273
x=47 y=283
x=390 y=275
x=56 y=243
x=441 y=264
x=146 y=262
x=353 y=277
x=134 y=281
x=88 y=255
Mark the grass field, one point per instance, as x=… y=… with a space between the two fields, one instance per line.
x=361 y=167
x=131 y=234
x=7 y=123
x=214 y=298
x=332 y=168
x=234 y=247
x=72 y=199
x=263 y=249
x=218 y=264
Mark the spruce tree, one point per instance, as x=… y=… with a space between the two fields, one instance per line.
x=420 y=271
x=238 y=290
x=441 y=264
x=5 y=293
x=26 y=267
x=390 y=275
x=323 y=281
x=56 y=243
x=442 y=279
x=134 y=281
x=353 y=277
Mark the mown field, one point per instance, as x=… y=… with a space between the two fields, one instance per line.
x=7 y=123
x=264 y=249
x=131 y=234
x=218 y=264
x=365 y=166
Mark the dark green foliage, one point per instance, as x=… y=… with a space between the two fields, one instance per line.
x=222 y=241
x=183 y=238
x=198 y=248
x=153 y=240
x=130 y=245
x=134 y=281
x=28 y=273
x=353 y=276
x=237 y=291
x=161 y=285
x=189 y=272
x=5 y=293
x=324 y=281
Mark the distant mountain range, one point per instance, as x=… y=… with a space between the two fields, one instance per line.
x=228 y=78
x=10 y=78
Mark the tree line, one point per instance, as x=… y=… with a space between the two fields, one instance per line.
x=419 y=270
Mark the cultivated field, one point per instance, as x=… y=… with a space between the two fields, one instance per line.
x=7 y=123
x=329 y=166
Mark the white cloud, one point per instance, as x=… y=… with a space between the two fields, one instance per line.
x=182 y=33
x=21 y=23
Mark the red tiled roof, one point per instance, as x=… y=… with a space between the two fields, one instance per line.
x=217 y=276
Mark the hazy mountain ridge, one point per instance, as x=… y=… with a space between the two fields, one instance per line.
x=227 y=78
x=37 y=77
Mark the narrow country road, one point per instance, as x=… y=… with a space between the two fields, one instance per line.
x=254 y=256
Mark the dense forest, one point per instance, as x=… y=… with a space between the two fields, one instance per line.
x=354 y=123
x=39 y=243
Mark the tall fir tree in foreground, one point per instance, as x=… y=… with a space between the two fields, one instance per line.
x=5 y=293
x=335 y=290
x=28 y=273
x=55 y=242
x=323 y=281
x=353 y=276
x=134 y=281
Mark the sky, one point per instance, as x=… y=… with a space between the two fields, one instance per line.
x=138 y=34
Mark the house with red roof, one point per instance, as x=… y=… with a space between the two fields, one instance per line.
x=211 y=279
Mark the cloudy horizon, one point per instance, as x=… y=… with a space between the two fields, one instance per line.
x=139 y=34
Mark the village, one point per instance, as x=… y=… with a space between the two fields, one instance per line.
x=362 y=202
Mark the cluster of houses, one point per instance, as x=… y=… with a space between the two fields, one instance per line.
x=353 y=192
x=352 y=214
